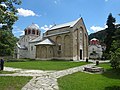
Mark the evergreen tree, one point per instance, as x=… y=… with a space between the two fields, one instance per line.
x=110 y=32
x=7 y=19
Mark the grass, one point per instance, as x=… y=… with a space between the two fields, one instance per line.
x=110 y=80
x=44 y=65
x=6 y=72
x=13 y=83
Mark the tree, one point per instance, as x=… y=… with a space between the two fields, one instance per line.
x=115 y=50
x=115 y=59
x=110 y=32
x=8 y=13
x=7 y=19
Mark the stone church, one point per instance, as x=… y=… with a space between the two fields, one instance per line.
x=68 y=41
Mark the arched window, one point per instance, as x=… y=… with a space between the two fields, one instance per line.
x=33 y=31
x=37 y=32
x=59 y=42
x=25 y=32
x=29 y=31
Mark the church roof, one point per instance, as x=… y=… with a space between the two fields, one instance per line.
x=21 y=47
x=69 y=24
x=36 y=39
x=33 y=26
x=46 y=42
x=94 y=39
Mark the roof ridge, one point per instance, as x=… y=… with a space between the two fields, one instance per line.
x=71 y=24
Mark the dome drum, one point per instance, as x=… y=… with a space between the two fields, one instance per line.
x=32 y=30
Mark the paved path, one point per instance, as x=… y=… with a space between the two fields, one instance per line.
x=43 y=80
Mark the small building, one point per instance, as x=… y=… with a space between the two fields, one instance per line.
x=68 y=41
x=95 y=50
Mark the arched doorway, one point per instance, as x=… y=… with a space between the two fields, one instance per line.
x=43 y=52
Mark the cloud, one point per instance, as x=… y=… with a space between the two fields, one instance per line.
x=56 y=1
x=26 y=12
x=2 y=24
x=17 y=31
x=106 y=0
x=45 y=27
x=97 y=28
x=3 y=5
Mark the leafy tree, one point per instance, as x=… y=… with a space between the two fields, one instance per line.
x=116 y=41
x=115 y=50
x=8 y=13
x=110 y=32
x=115 y=59
x=7 y=19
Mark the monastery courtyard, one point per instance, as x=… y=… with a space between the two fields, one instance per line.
x=46 y=79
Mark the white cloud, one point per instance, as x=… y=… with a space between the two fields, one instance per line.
x=26 y=12
x=45 y=27
x=106 y=0
x=3 y=5
x=97 y=28
x=2 y=24
x=56 y=1
x=17 y=31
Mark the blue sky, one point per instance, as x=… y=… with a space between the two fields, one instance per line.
x=48 y=12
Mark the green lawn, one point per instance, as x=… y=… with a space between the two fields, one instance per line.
x=110 y=80
x=6 y=72
x=13 y=83
x=44 y=65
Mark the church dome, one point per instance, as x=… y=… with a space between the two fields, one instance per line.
x=94 y=41
x=33 y=29
x=33 y=26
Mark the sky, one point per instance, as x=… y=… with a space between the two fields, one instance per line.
x=46 y=13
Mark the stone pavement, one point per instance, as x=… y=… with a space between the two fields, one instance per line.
x=43 y=80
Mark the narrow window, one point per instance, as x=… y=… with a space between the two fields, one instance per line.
x=31 y=48
x=59 y=48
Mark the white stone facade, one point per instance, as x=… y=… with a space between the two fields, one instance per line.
x=26 y=44
x=95 y=50
x=65 y=41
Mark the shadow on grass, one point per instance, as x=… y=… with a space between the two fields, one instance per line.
x=112 y=88
x=112 y=73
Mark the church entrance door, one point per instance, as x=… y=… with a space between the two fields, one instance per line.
x=80 y=54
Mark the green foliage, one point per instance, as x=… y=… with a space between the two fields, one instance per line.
x=115 y=50
x=115 y=59
x=7 y=43
x=8 y=13
x=110 y=32
x=7 y=19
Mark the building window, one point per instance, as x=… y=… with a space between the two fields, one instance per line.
x=25 y=32
x=33 y=32
x=37 y=32
x=59 y=47
x=29 y=31
x=31 y=48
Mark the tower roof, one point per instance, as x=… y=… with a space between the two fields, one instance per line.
x=33 y=26
x=94 y=39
